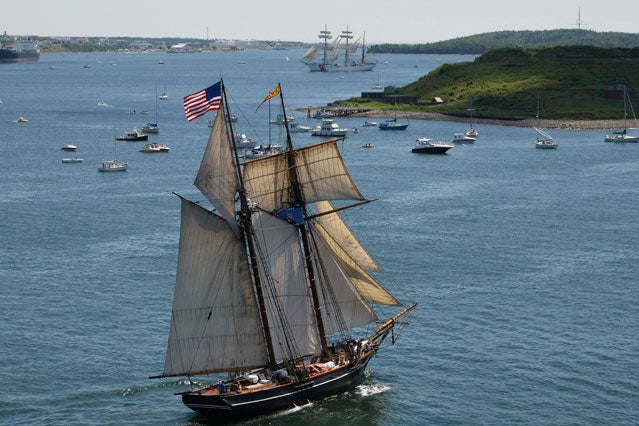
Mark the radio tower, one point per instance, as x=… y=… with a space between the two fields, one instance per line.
x=579 y=34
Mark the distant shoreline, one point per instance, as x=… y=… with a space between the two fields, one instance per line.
x=528 y=122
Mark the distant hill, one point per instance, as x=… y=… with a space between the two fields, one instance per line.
x=480 y=43
x=571 y=82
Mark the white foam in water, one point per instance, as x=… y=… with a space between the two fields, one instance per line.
x=293 y=410
x=369 y=390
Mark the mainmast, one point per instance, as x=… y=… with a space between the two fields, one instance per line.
x=299 y=203
x=364 y=47
x=346 y=35
x=248 y=233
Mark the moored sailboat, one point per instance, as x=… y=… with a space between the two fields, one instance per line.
x=269 y=288
x=623 y=135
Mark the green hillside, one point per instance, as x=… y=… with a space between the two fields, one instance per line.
x=506 y=83
x=480 y=43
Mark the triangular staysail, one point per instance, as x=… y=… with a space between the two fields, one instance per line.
x=217 y=178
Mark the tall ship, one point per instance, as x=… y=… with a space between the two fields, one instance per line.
x=339 y=54
x=18 y=49
x=275 y=298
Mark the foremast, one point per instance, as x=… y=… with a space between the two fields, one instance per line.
x=323 y=35
x=246 y=226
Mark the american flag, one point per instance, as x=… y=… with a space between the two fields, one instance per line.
x=198 y=103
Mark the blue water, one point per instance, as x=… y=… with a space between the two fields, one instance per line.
x=524 y=261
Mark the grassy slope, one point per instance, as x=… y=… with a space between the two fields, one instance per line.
x=505 y=83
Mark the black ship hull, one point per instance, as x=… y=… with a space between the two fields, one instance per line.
x=10 y=56
x=431 y=150
x=246 y=404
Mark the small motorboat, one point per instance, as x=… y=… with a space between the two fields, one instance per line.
x=154 y=148
x=22 y=120
x=72 y=160
x=329 y=128
x=463 y=138
x=298 y=128
x=428 y=146
x=368 y=145
x=370 y=124
x=392 y=125
x=132 y=136
x=68 y=147
x=112 y=166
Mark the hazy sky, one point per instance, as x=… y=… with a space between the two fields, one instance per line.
x=394 y=21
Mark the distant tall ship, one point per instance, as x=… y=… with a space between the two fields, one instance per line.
x=338 y=55
x=18 y=49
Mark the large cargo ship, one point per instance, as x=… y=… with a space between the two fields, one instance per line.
x=18 y=49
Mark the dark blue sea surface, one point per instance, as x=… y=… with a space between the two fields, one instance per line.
x=524 y=261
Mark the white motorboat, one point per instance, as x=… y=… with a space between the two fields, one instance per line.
x=370 y=124
x=68 y=147
x=329 y=128
x=298 y=128
x=463 y=138
x=112 y=166
x=428 y=146
x=72 y=160
x=154 y=148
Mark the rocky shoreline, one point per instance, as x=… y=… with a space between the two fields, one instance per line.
x=529 y=122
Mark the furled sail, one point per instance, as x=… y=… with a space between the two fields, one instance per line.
x=215 y=324
x=216 y=177
x=334 y=225
x=321 y=171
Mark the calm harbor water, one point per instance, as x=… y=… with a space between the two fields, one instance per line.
x=524 y=261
